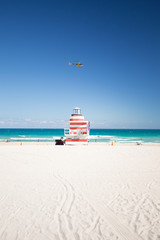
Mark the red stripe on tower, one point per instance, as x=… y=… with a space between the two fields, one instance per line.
x=76 y=140
x=78 y=123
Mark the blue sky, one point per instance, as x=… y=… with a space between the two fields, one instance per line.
x=117 y=41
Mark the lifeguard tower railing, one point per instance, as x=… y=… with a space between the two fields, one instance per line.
x=66 y=131
x=76 y=133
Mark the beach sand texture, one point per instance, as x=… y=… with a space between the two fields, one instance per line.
x=89 y=192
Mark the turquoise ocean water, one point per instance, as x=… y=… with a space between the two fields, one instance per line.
x=96 y=135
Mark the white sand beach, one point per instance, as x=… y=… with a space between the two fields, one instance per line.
x=89 y=192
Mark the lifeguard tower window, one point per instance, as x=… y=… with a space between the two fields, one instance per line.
x=77 y=111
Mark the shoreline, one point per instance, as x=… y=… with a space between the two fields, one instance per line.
x=89 y=144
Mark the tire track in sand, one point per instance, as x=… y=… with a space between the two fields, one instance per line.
x=104 y=212
x=62 y=213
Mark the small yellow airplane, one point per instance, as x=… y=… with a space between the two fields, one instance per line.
x=77 y=64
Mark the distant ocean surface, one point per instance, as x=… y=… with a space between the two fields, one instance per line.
x=96 y=135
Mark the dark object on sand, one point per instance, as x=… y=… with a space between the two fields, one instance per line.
x=60 y=141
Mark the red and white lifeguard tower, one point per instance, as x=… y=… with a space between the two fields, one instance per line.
x=79 y=129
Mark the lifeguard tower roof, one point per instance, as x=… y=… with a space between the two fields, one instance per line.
x=76 y=111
